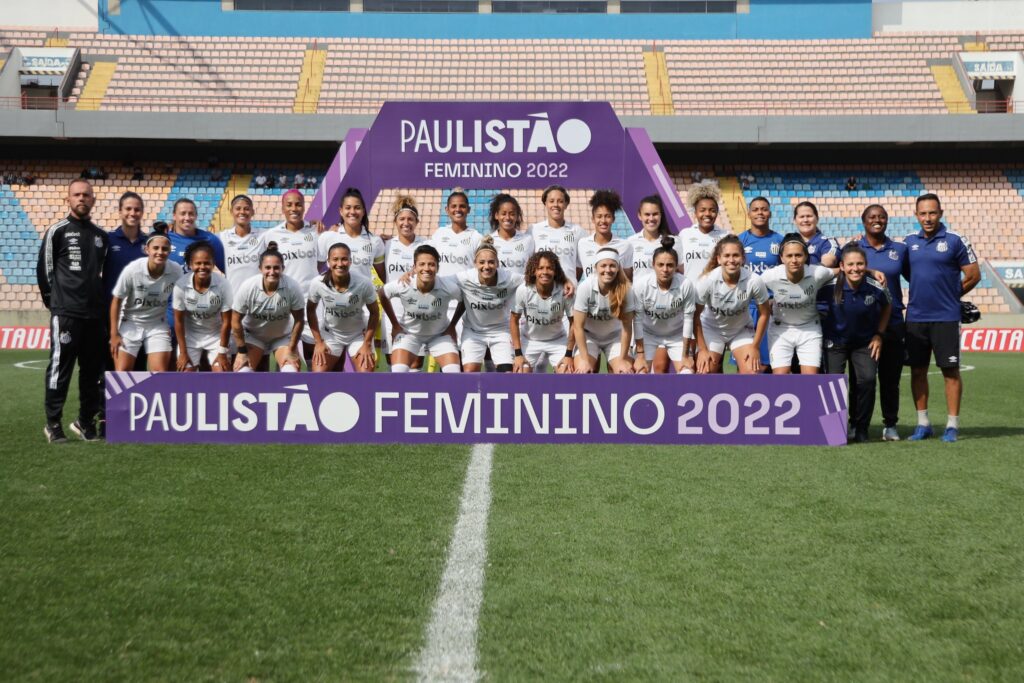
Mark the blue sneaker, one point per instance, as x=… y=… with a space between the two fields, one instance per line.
x=921 y=433
x=950 y=435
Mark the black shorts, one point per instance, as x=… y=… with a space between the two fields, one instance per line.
x=942 y=339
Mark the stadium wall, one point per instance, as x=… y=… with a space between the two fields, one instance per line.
x=63 y=14
x=767 y=19
x=964 y=16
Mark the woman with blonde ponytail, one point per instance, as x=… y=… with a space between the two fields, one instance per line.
x=603 y=317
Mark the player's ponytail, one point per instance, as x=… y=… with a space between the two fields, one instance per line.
x=668 y=244
x=486 y=244
x=271 y=252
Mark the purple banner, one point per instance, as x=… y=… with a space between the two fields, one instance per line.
x=472 y=408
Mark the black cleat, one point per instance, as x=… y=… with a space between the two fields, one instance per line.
x=55 y=433
x=87 y=432
x=101 y=429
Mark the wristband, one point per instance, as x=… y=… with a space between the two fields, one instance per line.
x=519 y=353
x=568 y=353
x=223 y=350
x=243 y=349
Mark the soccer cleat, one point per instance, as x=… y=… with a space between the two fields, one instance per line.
x=86 y=432
x=922 y=432
x=850 y=433
x=101 y=429
x=860 y=436
x=890 y=434
x=55 y=433
x=950 y=435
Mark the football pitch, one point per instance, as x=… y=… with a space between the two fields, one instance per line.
x=883 y=561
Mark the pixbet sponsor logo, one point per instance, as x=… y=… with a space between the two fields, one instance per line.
x=532 y=134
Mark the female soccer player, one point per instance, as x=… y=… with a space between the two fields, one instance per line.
x=513 y=247
x=344 y=295
x=456 y=243
x=487 y=293
x=854 y=327
x=655 y=228
x=242 y=244
x=796 y=325
x=696 y=243
x=821 y=250
x=144 y=287
x=542 y=307
x=268 y=315
x=603 y=207
x=557 y=235
x=665 y=301
x=398 y=258
x=602 y=320
x=761 y=245
x=202 y=312
x=425 y=325
x=723 y=320
x=367 y=250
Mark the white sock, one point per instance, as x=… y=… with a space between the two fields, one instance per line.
x=450 y=368
x=415 y=369
x=399 y=367
x=953 y=421
x=922 y=418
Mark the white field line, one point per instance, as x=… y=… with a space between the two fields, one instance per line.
x=450 y=650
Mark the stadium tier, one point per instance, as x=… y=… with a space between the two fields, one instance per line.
x=984 y=203
x=885 y=74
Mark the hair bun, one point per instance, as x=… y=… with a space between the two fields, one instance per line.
x=160 y=227
x=668 y=242
x=271 y=246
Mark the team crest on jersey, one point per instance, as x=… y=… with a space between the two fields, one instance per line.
x=942 y=246
x=436 y=303
x=367 y=248
x=98 y=241
x=775 y=249
x=894 y=255
x=869 y=299
x=810 y=249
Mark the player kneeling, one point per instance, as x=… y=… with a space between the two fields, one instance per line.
x=268 y=315
x=202 y=312
x=538 y=323
x=602 y=319
x=344 y=297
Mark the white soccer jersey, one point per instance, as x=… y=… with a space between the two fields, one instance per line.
x=298 y=249
x=563 y=241
x=342 y=312
x=514 y=253
x=794 y=303
x=665 y=313
x=643 y=253
x=588 y=249
x=694 y=248
x=367 y=250
x=424 y=315
x=269 y=316
x=727 y=309
x=143 y=298
x=398 y=257
x=456 y=249
x=543 y=319
x=488 y=306
x=242 y=254
x=600 y=324
x=203 y=309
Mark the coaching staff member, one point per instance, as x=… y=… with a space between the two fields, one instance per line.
x=70 y=277
x=943 y=267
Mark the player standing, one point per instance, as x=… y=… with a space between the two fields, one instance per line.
x=242 y=244
x=513 y=247
x=761 y=246
x=603 y=207
x=654 y=229
x=822 y=250
x=398 y=259
x=367 y=249
x=557 y=235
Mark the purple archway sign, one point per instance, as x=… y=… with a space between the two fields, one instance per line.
x=495 y=146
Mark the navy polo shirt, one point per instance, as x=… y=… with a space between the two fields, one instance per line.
x=818 y=246
x=935 y=269
x=891 y=259
x=122 y=251
x=853 y=321
x=179 y=243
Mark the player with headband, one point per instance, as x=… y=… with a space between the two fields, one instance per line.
x=722 y=318
x=144 y=287
x=557 y=235
x=398 y=258
x=665 y=302
x=654 y=228
x=513 y=247
x=539 y=312
x=367 y=249
x=268 y=315
x=603 y=207
x=344 y=296
x=487 y=293
x=202 y=312
x=602 y=319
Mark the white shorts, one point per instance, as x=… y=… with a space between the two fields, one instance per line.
x=196 y=346
x=540 y=354
x=475 y=345
x=611 y=348
x=266 y=345
x=674 y=345
x=784 y=341
x=420 y=346
x=154 y=337
x=336 y=343
x=717 y=342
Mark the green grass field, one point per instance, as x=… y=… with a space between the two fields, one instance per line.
x=875 y=562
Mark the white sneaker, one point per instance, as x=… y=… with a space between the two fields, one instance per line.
x=890 y=434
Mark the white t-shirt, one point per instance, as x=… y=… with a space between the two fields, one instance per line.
x=563 y=241
x=794 y=303
x=514 y=253
x=269 y=316
x=367 y=250
x=488 y=306
x=588 y=249
x=665 y=313
x=643 y=253
x=727 y=309
x=203 y=309
x=298 y=249
x=600 y=324
x=143 y=298
x=543 y=319
x=242 y=254
x=398 y=257
x=342 y=312
x=424 y=314
x=694 y=248
x=456 y=250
